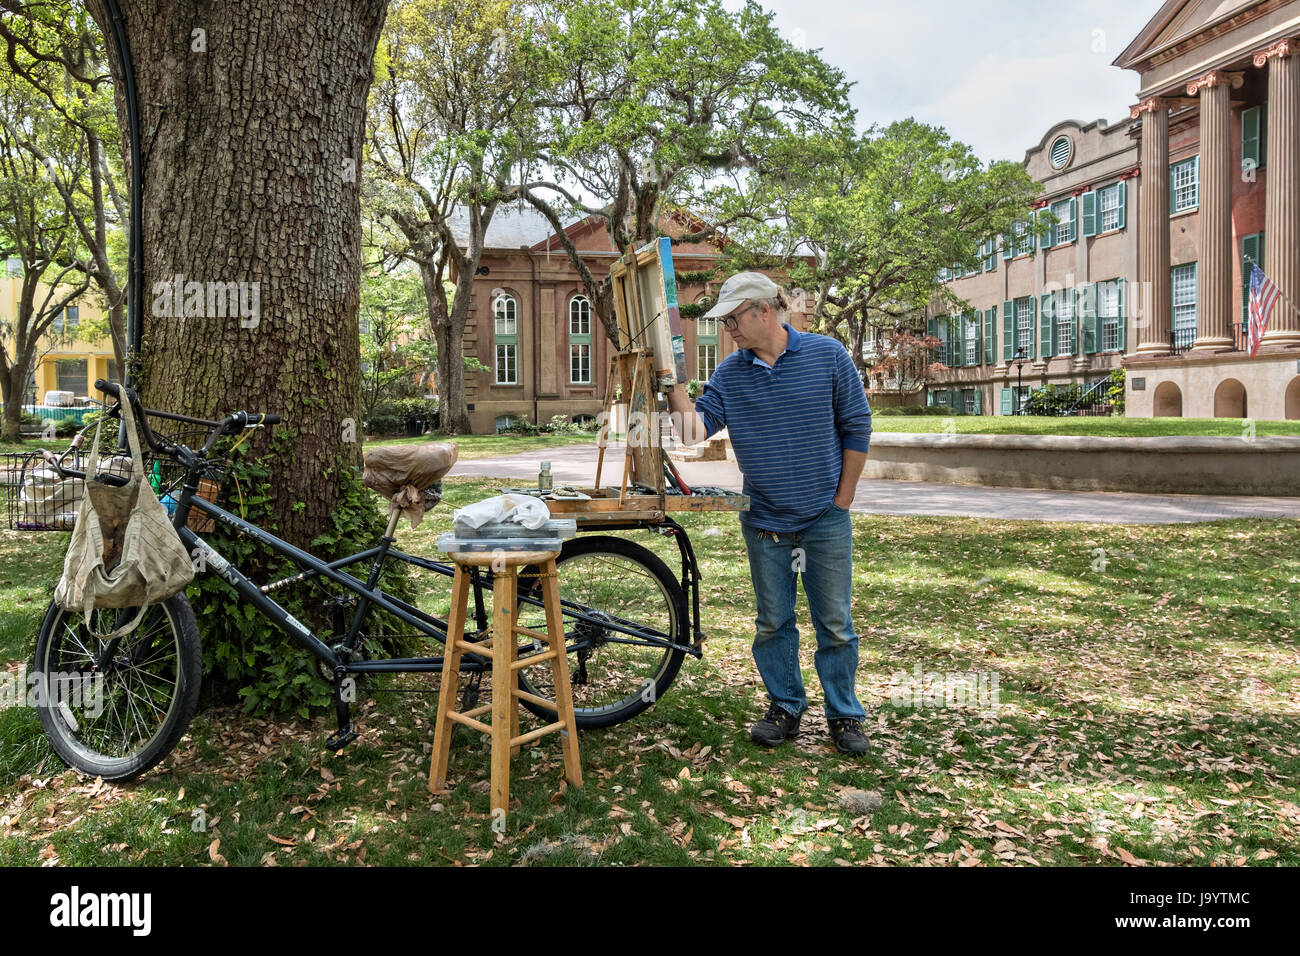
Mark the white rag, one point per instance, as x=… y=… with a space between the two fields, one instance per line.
x=523 y=510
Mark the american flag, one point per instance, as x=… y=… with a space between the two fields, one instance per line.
x=1263 y=293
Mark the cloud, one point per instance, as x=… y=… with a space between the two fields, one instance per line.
x=996 y=75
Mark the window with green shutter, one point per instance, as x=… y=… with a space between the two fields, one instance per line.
x=991 y=255
x=971 y=329
x=1008 y=330
x=505 y=311
x=1046 y=236
x=1062 y=231
x=706 y=341
x=1026 y=313
x=1047 y=312
x=955 y=350
x=1182 y=279
x=1088 y=317
x=1110 y=207
x=1033 y=304
x=1185 y=185
x=580 y=340
x=1252 y=250
x=941 y=330
x=990 y=334
x=1065 y=322
x=1254 y=137
x=1122 y=323
x=1006 y=401
x=1088 y=202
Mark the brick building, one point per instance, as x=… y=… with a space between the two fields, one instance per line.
x=1157 y=215
x=1048 y=305
x=533 y=327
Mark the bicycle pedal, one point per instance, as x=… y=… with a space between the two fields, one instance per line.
x=345 y=736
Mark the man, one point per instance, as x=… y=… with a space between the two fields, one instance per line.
x=800 y=425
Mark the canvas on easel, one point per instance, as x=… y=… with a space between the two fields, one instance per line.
x=646 y=307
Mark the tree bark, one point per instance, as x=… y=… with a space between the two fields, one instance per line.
x=448 y=336
x=253 y=123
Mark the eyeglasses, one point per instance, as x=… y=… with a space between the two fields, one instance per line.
x=729 y=322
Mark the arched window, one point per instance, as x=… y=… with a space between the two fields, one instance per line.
x=505 y=312
x=580 y=340
x=706 y=348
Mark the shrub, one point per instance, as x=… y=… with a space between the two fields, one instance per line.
x=1053 y=399
x=244 y=655
x=385 y=425
x=561 y=425
x=1115 y=393
x=943 y=410
x=422 y=408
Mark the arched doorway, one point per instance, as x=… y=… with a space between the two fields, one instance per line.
x=1168 y=401
x=1230 y=399
x=1291 y=402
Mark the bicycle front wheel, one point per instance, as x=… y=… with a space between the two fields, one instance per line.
x=621 y=607
x=114 y=709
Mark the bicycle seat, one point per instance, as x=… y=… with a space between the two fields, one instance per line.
x=402 y=473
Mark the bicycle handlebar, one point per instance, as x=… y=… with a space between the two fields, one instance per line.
x=231 y=423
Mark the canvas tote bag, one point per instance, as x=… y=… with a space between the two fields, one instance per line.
x=124 y=551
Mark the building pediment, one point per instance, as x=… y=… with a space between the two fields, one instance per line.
x=1178 y=21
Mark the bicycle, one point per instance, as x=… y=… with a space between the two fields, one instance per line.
x=626 y=617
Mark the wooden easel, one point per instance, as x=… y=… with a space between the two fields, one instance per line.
x=651 y=348
x=633 y=382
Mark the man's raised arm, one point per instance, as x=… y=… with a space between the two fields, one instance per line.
x=691 y=427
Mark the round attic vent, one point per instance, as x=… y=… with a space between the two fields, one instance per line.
x=1062 y=150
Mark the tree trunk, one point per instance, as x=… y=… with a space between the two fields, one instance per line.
x=253 y=123
x=13 y=398
x=448 y=336
x=13 y=389
x=104 y=277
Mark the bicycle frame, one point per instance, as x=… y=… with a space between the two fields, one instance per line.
x=367 y=593
x=342 y=657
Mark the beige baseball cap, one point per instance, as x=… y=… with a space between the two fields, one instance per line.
x=739 y=289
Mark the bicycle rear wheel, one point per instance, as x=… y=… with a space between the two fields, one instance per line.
x=621 y=605
x=115 y=709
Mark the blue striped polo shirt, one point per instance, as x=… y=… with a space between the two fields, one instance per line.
x=789 y=425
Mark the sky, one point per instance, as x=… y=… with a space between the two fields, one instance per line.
x=996 y=74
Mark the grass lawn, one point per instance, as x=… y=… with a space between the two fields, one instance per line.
x=471 y=446
x=1149 y=712
x=1101 y=426
x=494 y=446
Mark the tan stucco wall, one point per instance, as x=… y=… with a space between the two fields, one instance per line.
x=1265 y=377
x=1168 y=465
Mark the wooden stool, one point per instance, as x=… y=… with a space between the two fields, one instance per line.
x=503 y=649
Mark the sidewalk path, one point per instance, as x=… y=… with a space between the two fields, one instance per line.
x=576 y=464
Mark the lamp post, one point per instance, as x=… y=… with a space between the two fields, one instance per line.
x=1020 y=364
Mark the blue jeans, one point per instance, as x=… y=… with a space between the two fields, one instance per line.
x=826 y=563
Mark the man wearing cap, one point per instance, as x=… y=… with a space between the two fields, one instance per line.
x=800 y=425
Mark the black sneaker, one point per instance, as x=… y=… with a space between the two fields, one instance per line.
x=849 y=738
x=778 y=725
